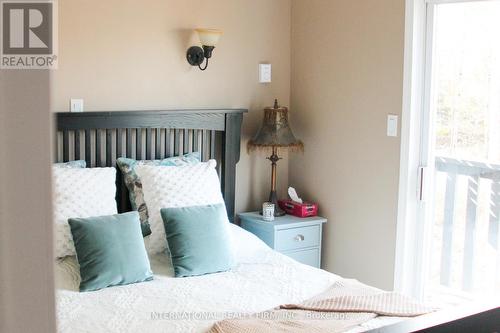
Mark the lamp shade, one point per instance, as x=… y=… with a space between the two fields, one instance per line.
x=209 y=37
x=275 y=131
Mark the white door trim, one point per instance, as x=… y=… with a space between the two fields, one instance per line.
x=413 y=89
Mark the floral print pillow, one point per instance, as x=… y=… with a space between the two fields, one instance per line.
x=71 y=164
x=134 y=185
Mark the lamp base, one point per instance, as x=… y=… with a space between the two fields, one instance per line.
x=273 y=198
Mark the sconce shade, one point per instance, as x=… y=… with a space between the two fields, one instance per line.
x=209 y=37
x=275 y=131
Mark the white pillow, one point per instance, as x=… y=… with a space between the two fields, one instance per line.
x=176 y=186
x=80 y=193
x=248 y=248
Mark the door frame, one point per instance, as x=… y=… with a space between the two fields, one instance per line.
x=408 y=207
x=415 y=175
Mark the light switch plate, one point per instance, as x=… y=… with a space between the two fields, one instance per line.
x=392 y=125
x=264 y=73
x=76 y=105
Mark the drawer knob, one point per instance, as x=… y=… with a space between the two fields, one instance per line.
x=299 y=238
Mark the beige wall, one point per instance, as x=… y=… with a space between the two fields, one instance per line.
x=26 y=277
x=347 y=73
x=130 y=55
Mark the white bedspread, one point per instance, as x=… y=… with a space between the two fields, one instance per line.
x=262 y=279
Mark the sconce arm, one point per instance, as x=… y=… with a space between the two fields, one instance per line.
x=206 y=65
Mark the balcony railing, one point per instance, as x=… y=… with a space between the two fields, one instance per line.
x=478 y=181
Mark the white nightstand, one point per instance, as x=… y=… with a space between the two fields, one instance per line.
x=298 y=238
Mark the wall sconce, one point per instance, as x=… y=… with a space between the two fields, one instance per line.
x=208 y=38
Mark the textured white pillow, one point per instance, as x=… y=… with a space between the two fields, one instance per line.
x=176 y=186
x=246 y=246
x=80 y=193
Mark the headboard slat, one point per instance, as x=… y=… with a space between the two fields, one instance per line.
x=206 y=144
x=109 y=147
x=65 y=146
x=167 y=143
x=138 y=144
x=196 y=143
x=158 y=151
x=149 y=138
x=77 y=145
x=98 y=151
x=128 y=143
x=212 y=144
x=185 y=141
x=213 y=133
x=177 y=139
x=119 y=142
x=88 y=148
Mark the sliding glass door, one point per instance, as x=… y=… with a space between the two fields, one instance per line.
x=460 y=152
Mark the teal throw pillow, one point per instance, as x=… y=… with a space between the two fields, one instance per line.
x=110 y=251
x=198 y=238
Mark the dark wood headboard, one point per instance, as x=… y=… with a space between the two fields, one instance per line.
x=101 y=137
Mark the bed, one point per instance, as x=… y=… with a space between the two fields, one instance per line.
x=261 y=279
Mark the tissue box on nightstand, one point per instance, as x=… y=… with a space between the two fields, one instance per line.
x=299 y=209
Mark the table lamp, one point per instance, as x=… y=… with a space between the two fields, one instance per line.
x=275 y=133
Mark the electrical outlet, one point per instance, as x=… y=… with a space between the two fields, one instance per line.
x=76 y=105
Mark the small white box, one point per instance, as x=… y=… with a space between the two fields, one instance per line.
x=392 y=125
x=76 y=105
x=264 y=73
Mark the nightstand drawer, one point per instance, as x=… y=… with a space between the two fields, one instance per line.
x=309 y=257
x=297 y=238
